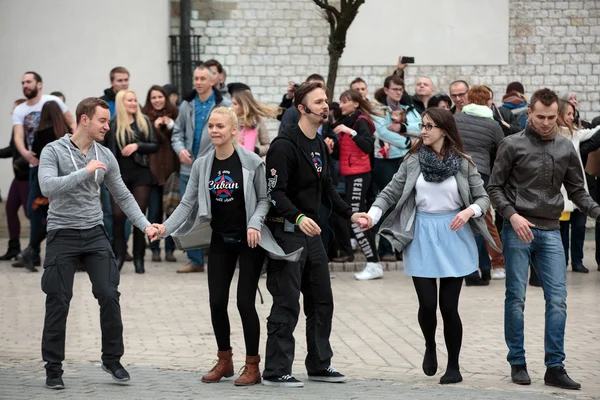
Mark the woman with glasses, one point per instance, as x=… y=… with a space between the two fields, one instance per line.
x=438 y=201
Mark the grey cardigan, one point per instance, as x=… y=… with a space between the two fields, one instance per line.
x=399 y=227
x=189 y=225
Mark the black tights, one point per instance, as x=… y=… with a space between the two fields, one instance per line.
x=449 y=293
x=141 y=195
x=221 y=267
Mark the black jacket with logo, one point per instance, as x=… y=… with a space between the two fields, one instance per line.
x=293 y=183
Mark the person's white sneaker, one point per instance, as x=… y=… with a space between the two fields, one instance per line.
x=353 y=244
x=371 y=271
x=498 y=273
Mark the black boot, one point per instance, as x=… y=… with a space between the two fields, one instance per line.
x=27 y=258
x=138 y=263
x=557 y=376
x=14 y=248
x=139 y=249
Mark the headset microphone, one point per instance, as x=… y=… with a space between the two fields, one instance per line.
x=308 y=111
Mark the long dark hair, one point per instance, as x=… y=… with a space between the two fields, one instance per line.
x=170 y=109
x=53 y=117
x=364 y=106
x=445 y=121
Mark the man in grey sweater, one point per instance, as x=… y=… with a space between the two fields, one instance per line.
x=70 y=174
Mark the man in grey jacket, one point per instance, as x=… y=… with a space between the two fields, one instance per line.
x=70 y=174
x=190 y=138
x=530 y=168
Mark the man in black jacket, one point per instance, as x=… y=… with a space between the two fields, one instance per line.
x=298 y=178
x=530 y=168
x=119 y=80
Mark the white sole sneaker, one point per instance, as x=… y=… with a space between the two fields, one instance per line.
x=282 y=384
x=498 y=273
x=328 y=379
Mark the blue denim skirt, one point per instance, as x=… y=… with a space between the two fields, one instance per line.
x=438 y=252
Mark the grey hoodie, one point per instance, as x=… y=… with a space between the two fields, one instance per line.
x=74 y=194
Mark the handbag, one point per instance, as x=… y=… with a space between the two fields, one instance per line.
x=171 y=193
x=592 y=166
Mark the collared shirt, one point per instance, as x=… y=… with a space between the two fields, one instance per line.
x=201 y=110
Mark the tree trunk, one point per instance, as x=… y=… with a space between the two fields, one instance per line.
x=334 y=59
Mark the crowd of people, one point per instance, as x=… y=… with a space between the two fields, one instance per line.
x=397 y=177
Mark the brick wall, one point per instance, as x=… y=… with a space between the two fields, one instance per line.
x=265 y=43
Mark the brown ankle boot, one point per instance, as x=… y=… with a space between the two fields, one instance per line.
x=222 y=368
x=250 y=375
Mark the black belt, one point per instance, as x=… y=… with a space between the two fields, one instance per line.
x=279 y=220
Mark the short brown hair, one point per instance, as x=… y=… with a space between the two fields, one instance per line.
x=88 y=107
x=479 y=95
x=214 y=63
x=118 y=70
x=545 y=96
x=357 y=80
x=395 y=79
x=304 y=90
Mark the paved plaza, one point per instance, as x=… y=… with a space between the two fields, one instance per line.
x=376 y=340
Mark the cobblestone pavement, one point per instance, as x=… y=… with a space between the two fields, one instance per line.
x=376 y=340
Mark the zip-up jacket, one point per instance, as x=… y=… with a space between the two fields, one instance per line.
x=293 y=183
x=527 y=177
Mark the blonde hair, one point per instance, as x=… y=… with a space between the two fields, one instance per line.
x=124 y=133
x=229 y=113
x=252 y=110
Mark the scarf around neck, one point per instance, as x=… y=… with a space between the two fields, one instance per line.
x=435 y=169
x=551 y=135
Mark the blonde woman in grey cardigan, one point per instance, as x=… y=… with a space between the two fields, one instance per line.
x=223 y=208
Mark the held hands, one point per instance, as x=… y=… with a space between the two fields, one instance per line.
x=461 y=219
x=185 y=157
x=522 y=228
x=159 y=121
x=94 y=165
x=309 y=227
x=254 y=237
x=129 y=149
x=363 y=220
x=158 y=231
x=152 y=233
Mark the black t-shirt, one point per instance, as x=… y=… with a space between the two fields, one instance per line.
x=227 y=197
x=314 y=150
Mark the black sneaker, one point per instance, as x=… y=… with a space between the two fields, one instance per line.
x=519 y=374
x=55 y=383
x=117 y=371
x=328 y=375
x=283 y=381
x=477 y=281
x=557 y=376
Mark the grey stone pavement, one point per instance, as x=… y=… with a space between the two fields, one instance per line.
x=376 y=340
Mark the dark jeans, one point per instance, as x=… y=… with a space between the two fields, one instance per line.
x=221 y=267
x=357 y=187
x=36 y=217
x=18 y=196
x=577 y=226
x=66 y=250
x=383 y=172
x=285 y=281
x=155 y=215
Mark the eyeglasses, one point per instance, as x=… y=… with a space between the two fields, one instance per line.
x=397 y=90
x=427 y=127
x=457 y=95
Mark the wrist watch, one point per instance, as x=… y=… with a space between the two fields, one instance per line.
x=353 y=133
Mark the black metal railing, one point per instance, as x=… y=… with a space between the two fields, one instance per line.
x=177 y=59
